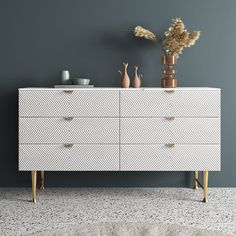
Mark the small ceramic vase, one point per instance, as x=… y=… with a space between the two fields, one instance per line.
x=124 y=80
x=136 y=81
x=64 y=77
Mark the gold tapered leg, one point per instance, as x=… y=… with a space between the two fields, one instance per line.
x=195 y=178
x=42 y=180
x=205 y=185
x=34 y=181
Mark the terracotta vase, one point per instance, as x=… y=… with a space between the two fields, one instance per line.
x=124 y=80
x=136 y=80
x=169 y=81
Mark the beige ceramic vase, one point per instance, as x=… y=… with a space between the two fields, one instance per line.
x=125 y=81
x=136 y=81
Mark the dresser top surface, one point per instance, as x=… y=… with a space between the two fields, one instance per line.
x=124 y=89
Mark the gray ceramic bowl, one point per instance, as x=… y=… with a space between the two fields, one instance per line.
x=80 y=81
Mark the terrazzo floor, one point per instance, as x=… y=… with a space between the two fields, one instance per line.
x=62 y=207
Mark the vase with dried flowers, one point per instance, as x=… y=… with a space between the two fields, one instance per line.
x=175 y=39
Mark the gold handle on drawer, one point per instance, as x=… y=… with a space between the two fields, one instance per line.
x=170 y=91
x=169 y=145
x=170 y=118
x=68 y=91
x=68 y=118
x=68 y=145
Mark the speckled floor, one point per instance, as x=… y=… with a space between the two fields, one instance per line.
x=62 y=207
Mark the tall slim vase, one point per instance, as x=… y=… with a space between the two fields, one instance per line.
x=125 y=80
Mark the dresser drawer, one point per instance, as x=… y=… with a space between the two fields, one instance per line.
x=78 y=157
x=68 y=130
x=180 y=103
x=170 y=130
x=57 y=103
x=162 y=158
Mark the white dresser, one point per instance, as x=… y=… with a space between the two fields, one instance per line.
x=114 y=129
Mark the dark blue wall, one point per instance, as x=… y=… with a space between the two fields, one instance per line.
x=92 y=38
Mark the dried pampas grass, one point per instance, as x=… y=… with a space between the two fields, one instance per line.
x=176 y=38
x=141 y=32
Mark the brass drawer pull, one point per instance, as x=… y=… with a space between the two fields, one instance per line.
x=170 y=118
x=68 y=118
x=170 y=91
x=68 y=91
x=68 y=145
x=169 y=145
